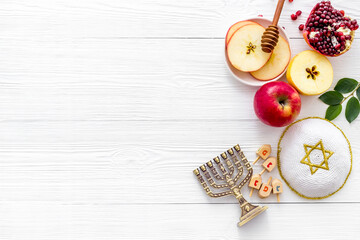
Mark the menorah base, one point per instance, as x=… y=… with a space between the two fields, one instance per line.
x=250 y=215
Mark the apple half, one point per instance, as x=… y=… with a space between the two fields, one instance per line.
x=234 y=28
x=244 y=48
x=277 y=63
x=310 y=73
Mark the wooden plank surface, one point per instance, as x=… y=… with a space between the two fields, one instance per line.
x=130 y=162
x=97 y=19
x=43 y=221
x=133 y=79
x=107 y=106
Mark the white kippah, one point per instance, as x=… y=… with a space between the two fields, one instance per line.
x=314 y=157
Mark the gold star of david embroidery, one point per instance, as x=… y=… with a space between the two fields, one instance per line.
x=326 y=154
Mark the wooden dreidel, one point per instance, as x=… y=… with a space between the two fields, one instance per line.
x=277 y=188
x=269 y=164
x=263 y=152
x=255 y=183
x=265 y=189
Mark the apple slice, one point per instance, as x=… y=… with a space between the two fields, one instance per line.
x=310 y=73
x=234 y=28
x=244 y=48
x=277 y=63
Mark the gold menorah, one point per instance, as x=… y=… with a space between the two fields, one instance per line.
x=248 y=211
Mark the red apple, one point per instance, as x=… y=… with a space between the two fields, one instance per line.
x=277 y=104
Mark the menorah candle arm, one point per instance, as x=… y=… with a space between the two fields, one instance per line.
x=213 y=171
x=243 y=158
x=207 y=188
x=229 y=164
x=216 y=195
x=246 y=179
x=239 y=174
x=221 y=166
x=211 y=180
x=230 y=167
x=237 y=164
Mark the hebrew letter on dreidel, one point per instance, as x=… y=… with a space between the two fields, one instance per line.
x=265 y=189
x=263 y=152
x=277 y=188
x=269 y=164
x=255 y=183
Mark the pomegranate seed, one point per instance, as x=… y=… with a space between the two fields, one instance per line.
x=356 y=26
x=301 y=27
x=337 y=46
x=342 y=38
x=293 y=17
x=291 y=1
x=342 y=12
x=298 y=13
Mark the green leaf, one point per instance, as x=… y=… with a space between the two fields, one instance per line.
x=346 y=85
x=352 y=109
x=333 y=111
x=331 y=98
x=358 y=93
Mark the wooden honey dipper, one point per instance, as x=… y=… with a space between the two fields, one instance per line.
x=271 y=35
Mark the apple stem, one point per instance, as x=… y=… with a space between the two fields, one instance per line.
x=351 y=94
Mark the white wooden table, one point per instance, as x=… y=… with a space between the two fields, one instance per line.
x=106 y=107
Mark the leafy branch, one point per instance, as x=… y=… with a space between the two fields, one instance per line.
x=336 y=98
